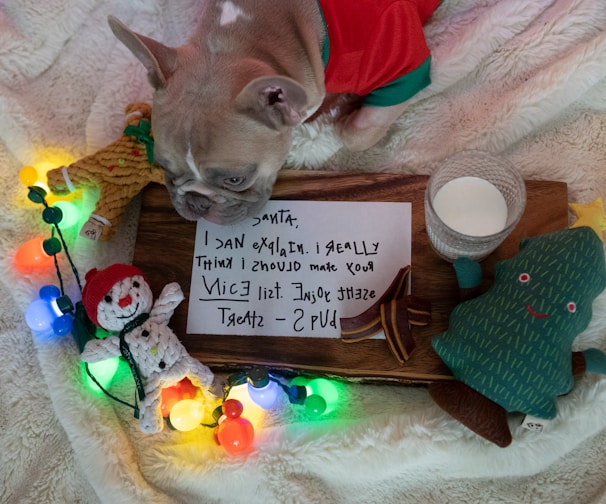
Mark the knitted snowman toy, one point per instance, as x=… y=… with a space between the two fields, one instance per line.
x=118 y=299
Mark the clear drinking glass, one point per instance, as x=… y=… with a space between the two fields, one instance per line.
x=482 y=187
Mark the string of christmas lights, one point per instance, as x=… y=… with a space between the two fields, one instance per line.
x=53 y=314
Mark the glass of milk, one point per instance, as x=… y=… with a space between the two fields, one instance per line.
x=472 y=202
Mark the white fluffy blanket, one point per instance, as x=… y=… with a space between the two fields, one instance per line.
x=523 y=78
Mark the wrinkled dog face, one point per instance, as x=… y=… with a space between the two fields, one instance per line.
x=222 y=126
x=221 y=170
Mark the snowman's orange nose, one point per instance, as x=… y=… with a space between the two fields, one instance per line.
x=125 y=301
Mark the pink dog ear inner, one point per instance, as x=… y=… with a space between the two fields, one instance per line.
x=276 y=101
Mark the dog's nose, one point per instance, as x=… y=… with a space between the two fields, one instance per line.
x=197 y=203
x=125 y=301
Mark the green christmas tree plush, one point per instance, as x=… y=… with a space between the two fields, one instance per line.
x=510 y=349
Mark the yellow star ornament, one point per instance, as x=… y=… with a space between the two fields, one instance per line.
x=591 y=215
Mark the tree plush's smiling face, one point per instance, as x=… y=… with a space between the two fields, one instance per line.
x=551 y=283
x=126 y=300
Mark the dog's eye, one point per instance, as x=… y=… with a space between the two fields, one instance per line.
x=234 y=181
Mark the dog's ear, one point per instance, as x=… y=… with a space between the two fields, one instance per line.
x=278 y=102
x=159 y=59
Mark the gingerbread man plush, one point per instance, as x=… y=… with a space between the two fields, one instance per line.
x=120 y=171
x=118 y=299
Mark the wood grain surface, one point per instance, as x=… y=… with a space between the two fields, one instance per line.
x=164 y=251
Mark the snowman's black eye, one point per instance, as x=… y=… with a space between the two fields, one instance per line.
x=107 y=299
x=136 y=285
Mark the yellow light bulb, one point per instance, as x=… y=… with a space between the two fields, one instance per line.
x=252 y=411
x=186 y=414
x=28 y=176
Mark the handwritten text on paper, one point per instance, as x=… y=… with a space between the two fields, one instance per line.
x=296 y=268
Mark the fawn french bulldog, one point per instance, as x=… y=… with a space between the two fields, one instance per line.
x=226 y=103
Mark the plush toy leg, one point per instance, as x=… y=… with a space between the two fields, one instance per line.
x=150 y=416
x=478 y=413
x=591 y=360
x=579 y=366
x=201 y=376
x=595 y=361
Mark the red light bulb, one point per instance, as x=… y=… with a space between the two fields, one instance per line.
x=187 y=388
x=235 y=434
x=170 y=397
x=232 y=408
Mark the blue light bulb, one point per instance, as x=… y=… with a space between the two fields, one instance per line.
x=49 y=292
x=39 y=316
x=45 y=317
x=62 y=325
x=263 y=391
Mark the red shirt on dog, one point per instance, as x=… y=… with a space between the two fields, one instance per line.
x=376 y=48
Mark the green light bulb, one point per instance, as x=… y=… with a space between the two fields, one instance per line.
x=70 y=213
x=315 y=405
x=103 y=371
x=325 y=389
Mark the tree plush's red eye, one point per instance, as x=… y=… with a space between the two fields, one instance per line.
x=524 y=278
x=572 y=306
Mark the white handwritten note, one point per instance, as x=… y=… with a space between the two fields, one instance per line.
x=296 y=268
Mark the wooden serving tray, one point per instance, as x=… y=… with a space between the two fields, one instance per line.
x=165 y=246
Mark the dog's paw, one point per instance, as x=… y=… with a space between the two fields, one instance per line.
x=356 y=140
x=367 y=126
x=313 y=144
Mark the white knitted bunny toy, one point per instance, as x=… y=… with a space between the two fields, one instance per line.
x=119 y=299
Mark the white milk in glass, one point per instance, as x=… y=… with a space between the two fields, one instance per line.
x=472 y=206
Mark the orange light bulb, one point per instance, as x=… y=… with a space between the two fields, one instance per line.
x=30 y=257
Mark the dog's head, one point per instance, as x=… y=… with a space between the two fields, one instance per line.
x=222 y=126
